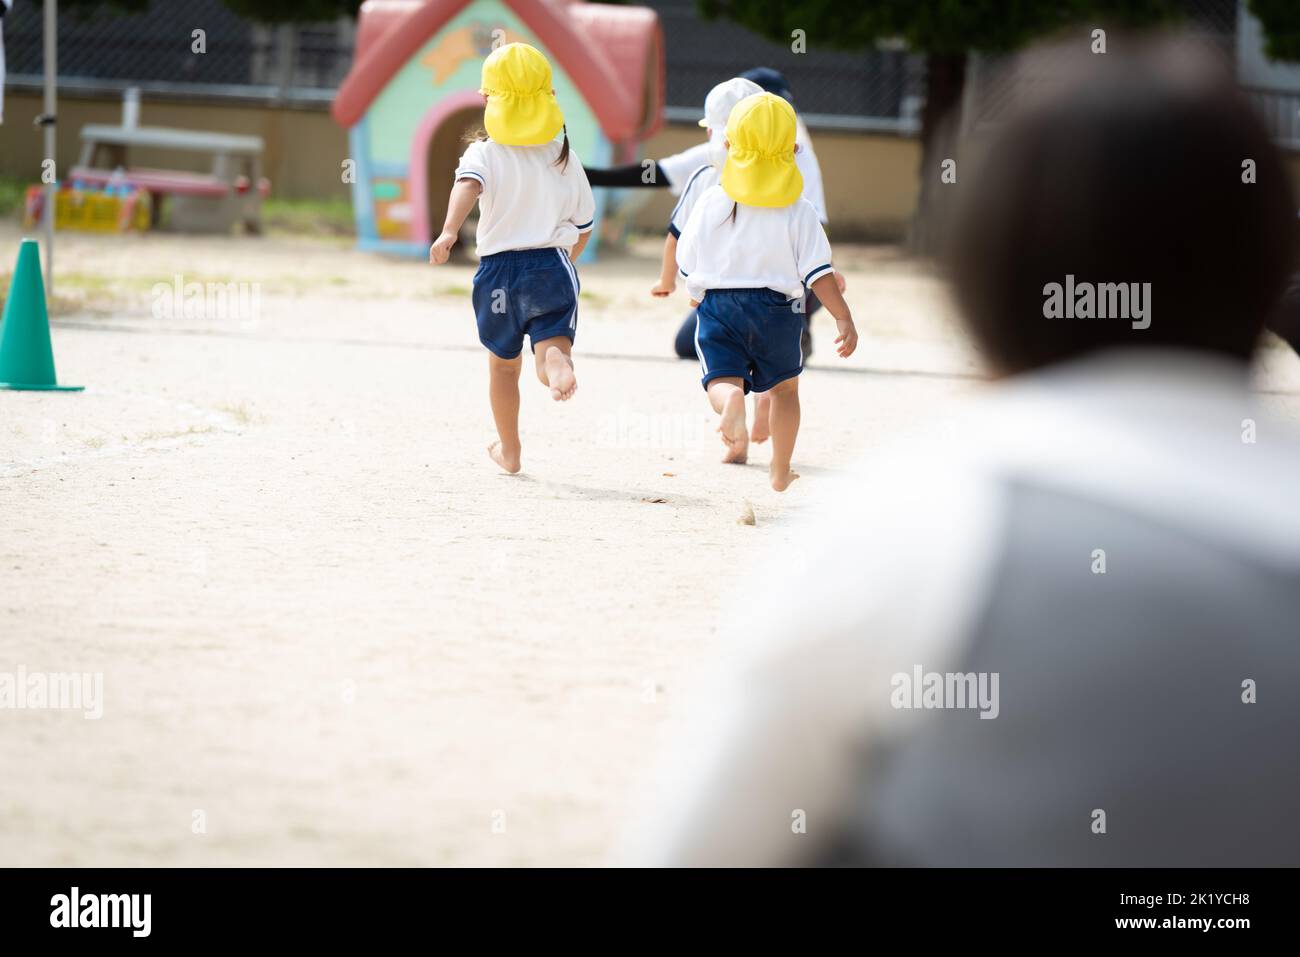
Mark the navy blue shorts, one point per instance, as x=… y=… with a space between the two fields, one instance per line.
x=750 y=334
x=520 y=292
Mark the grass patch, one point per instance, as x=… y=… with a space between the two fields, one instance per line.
x=12 y=191
x=239 y=411
x=308 y=217
x=163 y=436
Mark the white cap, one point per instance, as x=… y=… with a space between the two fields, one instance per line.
x=718 y=104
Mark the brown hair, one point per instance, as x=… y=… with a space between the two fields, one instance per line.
x=562 y=161
x=1131 y=170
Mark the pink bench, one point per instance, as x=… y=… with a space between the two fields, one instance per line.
x=232 y=192
x=159 y=181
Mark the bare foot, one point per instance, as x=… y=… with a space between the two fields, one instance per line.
x=732 y=429
x=782 y=478
x=559 y=373
x=508 y=462
x=762 y=418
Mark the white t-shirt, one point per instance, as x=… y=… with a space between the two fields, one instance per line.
x=680 y=166
x=700 y=182
x=782 y=248
x=527 y=201
x=796 y=706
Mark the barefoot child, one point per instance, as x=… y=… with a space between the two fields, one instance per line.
x=717 y=107
x=535 y=217
x=748 y=249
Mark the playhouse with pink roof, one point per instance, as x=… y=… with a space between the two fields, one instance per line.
x=412 y=95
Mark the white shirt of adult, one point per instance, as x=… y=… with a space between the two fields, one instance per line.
x=528 y=202
x=700 y=182
x=782 y=248
x=894 y=566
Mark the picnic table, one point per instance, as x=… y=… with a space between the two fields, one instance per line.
x=199 y=202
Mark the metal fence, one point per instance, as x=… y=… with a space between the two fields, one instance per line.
x=996 y=84
x=104 y=51
x=107 y=52
x=882 y=89
x=1280 y=110
x=868 y=89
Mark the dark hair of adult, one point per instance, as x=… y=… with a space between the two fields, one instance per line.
x=1131 y=170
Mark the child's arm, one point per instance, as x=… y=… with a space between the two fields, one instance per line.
x=668 y=270
x=687 y=244
x=463 y=197
x=813 y=256
x=827 y=289
x=584 y=217
x=643 y=175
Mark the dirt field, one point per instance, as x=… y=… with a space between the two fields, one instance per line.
x=330 y=630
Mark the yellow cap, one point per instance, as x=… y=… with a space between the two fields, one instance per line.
x=760 y=168
x=521 y=108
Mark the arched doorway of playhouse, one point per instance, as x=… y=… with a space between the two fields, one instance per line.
x=437 y=145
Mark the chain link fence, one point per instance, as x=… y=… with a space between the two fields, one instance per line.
x=158 y=51
x=996 y=84
x=302 y=65
x=106 y=51
x=832 y=88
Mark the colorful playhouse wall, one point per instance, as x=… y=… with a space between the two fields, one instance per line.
x=390 y=143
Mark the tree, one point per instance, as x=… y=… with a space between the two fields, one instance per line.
x=946 y=31
x=293 y=11
x=1281 y=22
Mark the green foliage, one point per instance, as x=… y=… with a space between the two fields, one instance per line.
x=1281 y=22
x=293 y=11
x=84 y=8
x=308 y=217
x=12 y=192
x=935 y=26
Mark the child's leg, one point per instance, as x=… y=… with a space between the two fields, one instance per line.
x=727 y=396
x=555 y=366
x=762 y=417
x=503 y=389
x=785 y=429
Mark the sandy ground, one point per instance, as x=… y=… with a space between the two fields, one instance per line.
x=328 y=628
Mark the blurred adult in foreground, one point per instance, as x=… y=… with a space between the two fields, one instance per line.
x=1068 y=633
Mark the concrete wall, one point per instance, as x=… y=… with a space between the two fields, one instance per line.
x=303 y=156
x=871 y=180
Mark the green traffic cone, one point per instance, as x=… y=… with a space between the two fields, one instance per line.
x=26 y=356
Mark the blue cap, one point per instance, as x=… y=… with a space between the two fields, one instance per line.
x=772 y=81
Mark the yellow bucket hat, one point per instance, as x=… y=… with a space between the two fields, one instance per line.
x=521 y=109
x=760 y=168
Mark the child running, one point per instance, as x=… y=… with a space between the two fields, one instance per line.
x=750 y=246
x=535 y=217
x=717 y=107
